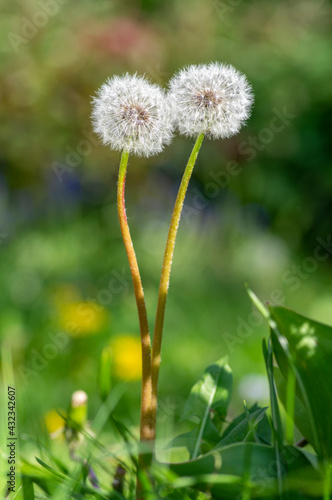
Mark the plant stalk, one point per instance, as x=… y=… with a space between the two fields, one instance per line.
x=327 y=480
x=165 y=275
x=290 y=406
x=145 y=423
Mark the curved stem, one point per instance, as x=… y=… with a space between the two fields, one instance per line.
x=145 y=424
x=165 y=274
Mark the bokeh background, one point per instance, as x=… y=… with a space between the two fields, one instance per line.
x=258 y=208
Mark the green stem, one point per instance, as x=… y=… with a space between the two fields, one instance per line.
x=327 y=480
x=145 y=424
x=290 y=406
x=164 y=280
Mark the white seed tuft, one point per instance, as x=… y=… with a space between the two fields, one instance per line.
x=214 y=99
x=132 y=114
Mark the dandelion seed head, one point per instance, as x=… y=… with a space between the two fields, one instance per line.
x=133 y=114
x=214 y=99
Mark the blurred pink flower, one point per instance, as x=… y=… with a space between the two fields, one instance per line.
x=123 y=37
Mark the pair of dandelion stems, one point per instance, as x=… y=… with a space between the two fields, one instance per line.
x=151 y=364
x=145 y=424
x=165 y=275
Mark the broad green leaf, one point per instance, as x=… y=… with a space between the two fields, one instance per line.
x=211 y=393
x=237 y=420
x=188 y=440
x=238 y=430
x=254 y=464
x=307 y=349
x=211 y=434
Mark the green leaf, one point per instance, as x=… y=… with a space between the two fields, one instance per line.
x=252 y=429
x=212 y=390
x=305 y=346
x=27 y=486
x=52 y=481
x=227 y=471
x=211 y=393
x=301 y=414
x=188 y=440
x=108 y=407
x=41 y=477
x=238 y=430
x=276 y=420
x=51 y=470
x=104 y=373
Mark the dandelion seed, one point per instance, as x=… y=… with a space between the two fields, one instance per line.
x=213 y=99
x=131 y=114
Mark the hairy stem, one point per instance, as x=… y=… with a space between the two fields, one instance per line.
x=145 y=424
x=165 y=275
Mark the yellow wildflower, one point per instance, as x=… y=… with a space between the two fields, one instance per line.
x=82 y=318
x=54 y=423
x=127 y=361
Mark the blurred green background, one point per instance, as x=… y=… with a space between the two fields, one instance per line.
x=65 y=289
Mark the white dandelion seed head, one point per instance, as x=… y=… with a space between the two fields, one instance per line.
x=214 y=99
x=132 y=114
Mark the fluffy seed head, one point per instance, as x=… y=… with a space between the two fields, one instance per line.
x=214 y=99
x=132 y=114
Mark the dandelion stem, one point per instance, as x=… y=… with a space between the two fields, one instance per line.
x=165 y=275
x=145 y=424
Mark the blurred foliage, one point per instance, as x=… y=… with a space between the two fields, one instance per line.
x=62 y=260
